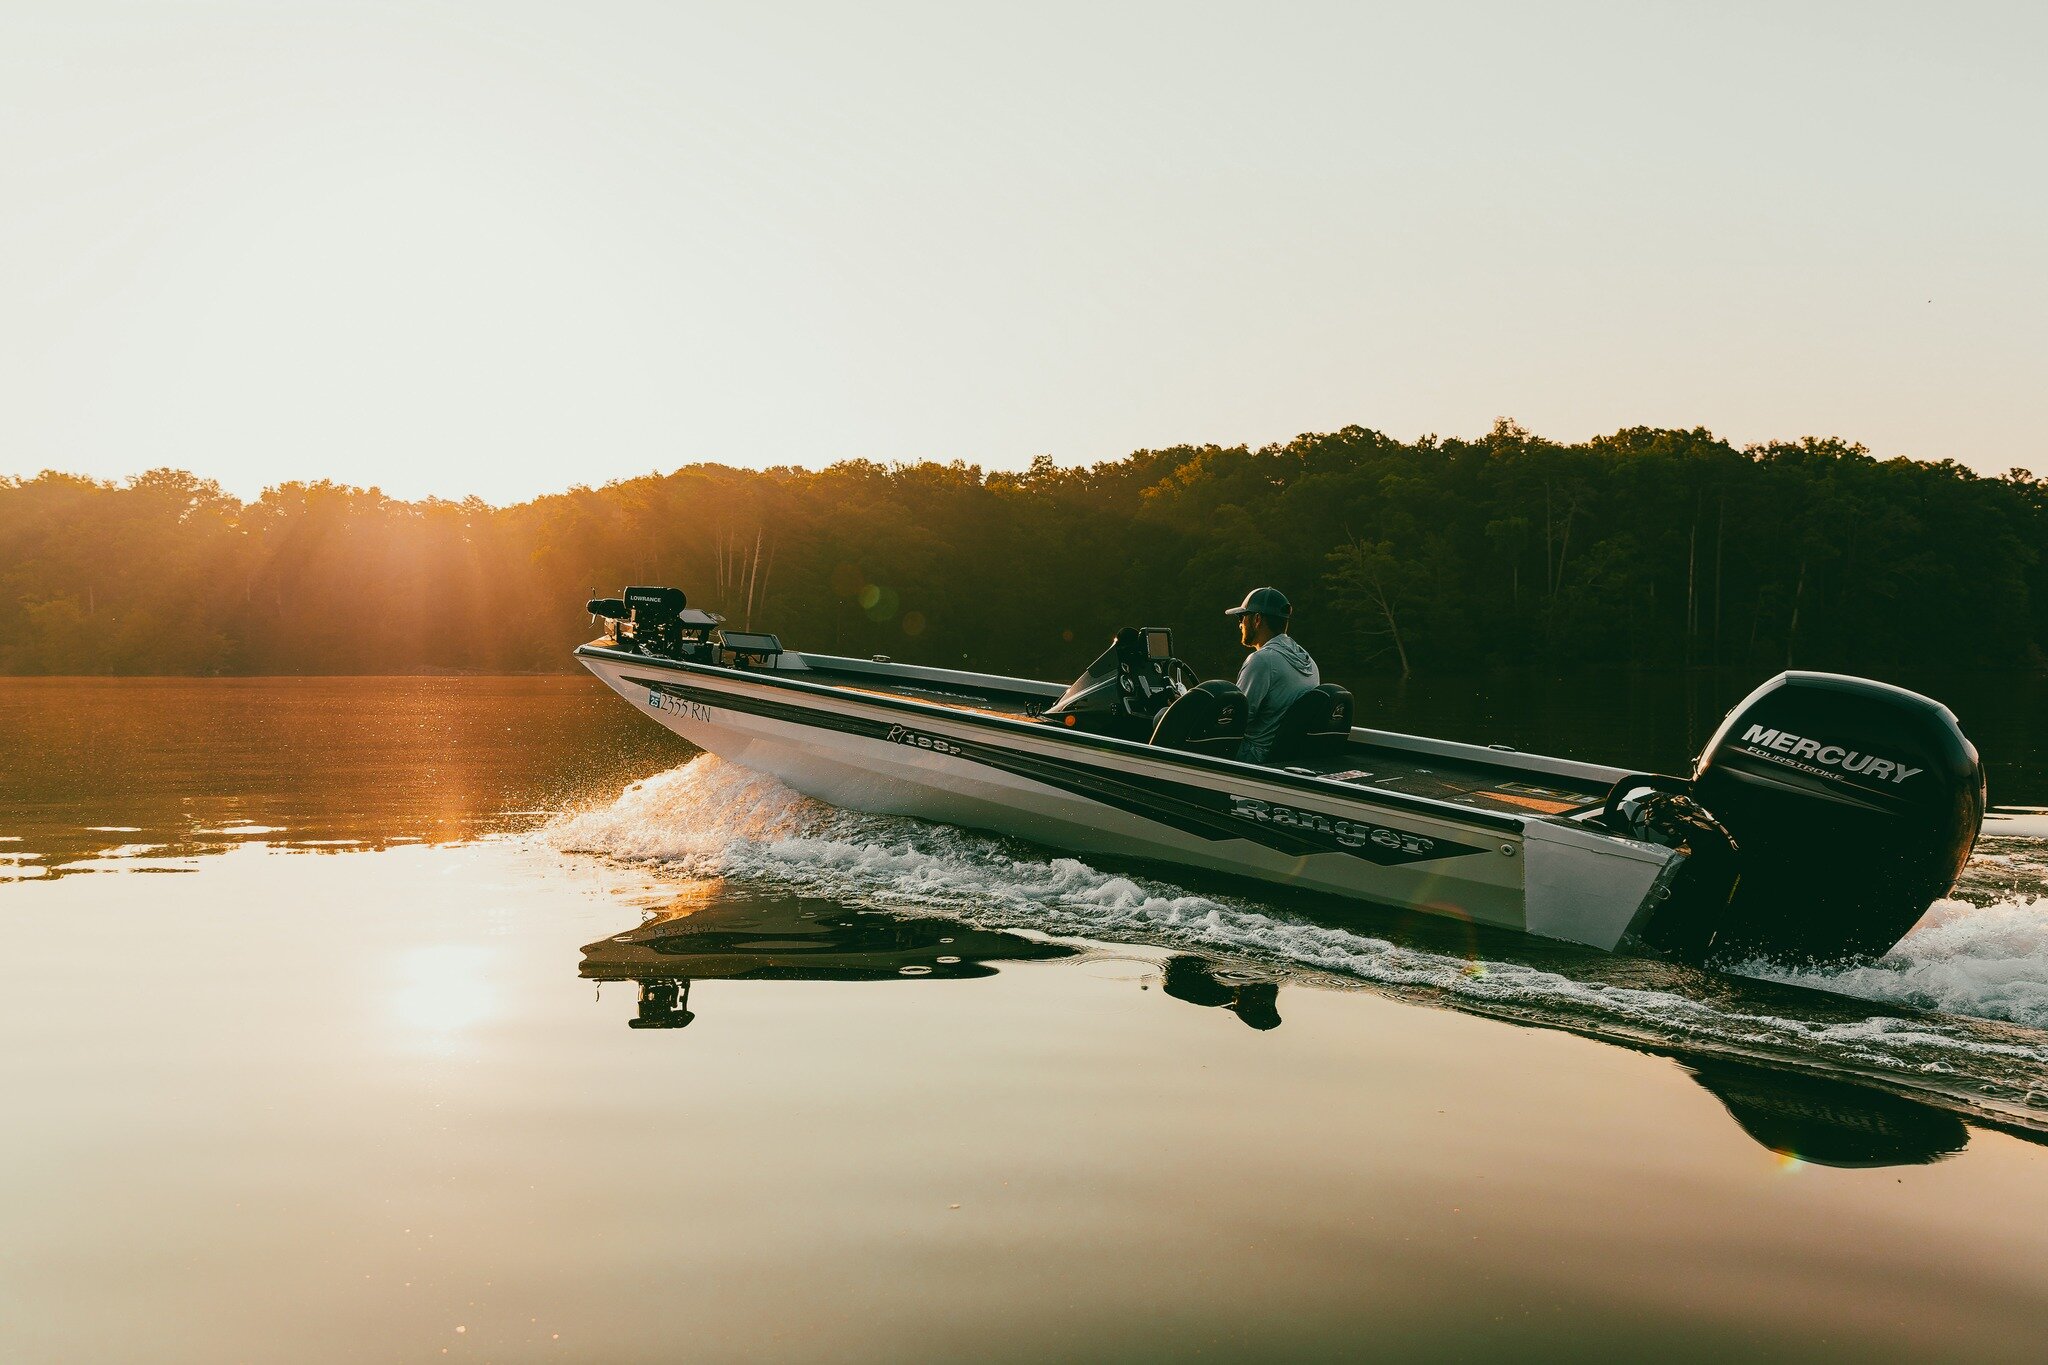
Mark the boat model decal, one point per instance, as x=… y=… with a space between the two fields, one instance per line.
x=903 y=734
x=1209 y=814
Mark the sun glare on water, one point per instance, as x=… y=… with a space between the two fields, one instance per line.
x=442 y=993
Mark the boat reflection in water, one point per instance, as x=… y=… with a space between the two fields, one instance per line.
x=1805 y=1118
x=700 y=937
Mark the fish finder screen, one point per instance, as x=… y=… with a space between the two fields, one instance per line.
x=1158 y=642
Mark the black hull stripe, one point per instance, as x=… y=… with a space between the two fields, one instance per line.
x=1210 y=814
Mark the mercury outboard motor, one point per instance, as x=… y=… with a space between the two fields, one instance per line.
x=1852 y=806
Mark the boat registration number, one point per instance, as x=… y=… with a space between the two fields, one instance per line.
x=678 y=706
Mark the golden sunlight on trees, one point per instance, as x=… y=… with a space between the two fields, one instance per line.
x=1648 y=546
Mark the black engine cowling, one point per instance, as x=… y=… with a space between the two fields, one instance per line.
x=1853 y=805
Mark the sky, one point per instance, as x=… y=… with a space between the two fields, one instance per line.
x=503 y=248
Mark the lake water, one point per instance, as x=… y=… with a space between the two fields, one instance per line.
x=349 y=1019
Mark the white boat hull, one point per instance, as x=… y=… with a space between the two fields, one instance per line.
x=881 y=754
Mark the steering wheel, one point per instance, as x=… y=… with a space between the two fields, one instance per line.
x=1147 y=684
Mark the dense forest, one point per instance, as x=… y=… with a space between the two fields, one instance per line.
x=1647 y=547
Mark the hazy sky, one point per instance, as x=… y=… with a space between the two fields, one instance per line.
x=504 y=248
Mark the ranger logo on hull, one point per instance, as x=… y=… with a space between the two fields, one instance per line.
x=1347 y=834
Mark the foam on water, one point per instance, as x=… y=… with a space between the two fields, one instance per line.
x=1990 y=961
x=709 y=818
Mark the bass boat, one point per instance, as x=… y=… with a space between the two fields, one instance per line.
x=1821 y=820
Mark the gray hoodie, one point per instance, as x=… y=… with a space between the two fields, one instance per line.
x=1273 y=676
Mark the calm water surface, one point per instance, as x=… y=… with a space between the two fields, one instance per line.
x=382 y=1019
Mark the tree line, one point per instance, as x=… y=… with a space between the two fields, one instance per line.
x=1647 y=547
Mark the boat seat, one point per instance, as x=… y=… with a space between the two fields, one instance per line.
x=1208 y=719
x=1316 y=726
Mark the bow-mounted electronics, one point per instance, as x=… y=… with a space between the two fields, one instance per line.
x=658 y=622
x=743 y=649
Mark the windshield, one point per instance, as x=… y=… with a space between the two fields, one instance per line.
x=1103 y=670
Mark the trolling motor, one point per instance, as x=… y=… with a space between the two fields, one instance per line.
x=1821 y=820
x=656 y=621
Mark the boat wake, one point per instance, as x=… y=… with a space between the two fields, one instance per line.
x=1958 y=1011
x=1990 y=961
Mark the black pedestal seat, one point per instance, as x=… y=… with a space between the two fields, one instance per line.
x=1209 y=719
x=1316 y=727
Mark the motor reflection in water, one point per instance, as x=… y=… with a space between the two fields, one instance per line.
x=1830 y=1123
x=1809 y=1119
x=701 y=938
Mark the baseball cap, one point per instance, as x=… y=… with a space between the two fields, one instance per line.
x=1264 y=601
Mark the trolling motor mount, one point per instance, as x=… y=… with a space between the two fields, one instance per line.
x=655 y=621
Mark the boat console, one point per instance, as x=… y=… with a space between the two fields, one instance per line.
x=1127 y=687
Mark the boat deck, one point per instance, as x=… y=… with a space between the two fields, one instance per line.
x=1504 y=787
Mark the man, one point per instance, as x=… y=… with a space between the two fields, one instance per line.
x=1276 y=674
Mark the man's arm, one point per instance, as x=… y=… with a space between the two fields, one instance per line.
x=1255 y=680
